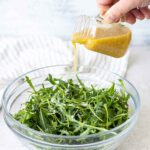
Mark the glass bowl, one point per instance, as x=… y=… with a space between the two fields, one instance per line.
x=17 y=93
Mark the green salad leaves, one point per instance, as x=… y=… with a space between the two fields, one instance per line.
x=72 y=108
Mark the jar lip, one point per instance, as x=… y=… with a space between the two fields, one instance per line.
x=99 y=18
x=7 y=114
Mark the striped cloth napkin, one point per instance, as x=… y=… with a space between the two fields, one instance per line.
x=21 y=54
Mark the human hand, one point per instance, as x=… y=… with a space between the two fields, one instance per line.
x=126 y=10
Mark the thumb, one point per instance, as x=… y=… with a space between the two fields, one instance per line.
x=118 y=10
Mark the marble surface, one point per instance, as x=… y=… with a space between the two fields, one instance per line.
x=139 y=74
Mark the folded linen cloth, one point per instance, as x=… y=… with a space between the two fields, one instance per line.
x=21 y=54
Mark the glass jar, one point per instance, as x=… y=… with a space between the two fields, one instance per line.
x=97 y=35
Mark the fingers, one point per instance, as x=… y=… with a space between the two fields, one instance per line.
x=130 y=18
x=118 y=10
x=138 y=14
x=114 y=10
x=104 y=5
x=103 y=9
x=146 y=12
x=105 y=2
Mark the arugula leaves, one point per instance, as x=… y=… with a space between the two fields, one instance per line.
x=70 y=108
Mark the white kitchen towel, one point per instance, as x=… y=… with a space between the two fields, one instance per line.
x=21 y=54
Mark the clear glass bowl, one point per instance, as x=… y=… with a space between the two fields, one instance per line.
x=17 y=93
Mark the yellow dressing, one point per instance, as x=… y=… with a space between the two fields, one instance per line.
x=112 y=41
x=75 y=57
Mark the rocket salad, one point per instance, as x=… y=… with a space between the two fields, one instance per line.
x=71 y=108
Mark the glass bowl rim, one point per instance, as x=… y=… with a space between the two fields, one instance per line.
x=6 y=112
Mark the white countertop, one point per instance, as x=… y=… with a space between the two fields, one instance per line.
x=139 y=74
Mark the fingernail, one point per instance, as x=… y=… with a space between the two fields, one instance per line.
x=109 y=19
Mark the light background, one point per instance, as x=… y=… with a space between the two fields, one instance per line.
x=26 y=17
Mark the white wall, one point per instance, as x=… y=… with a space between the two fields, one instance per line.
x=19 y=17
x=54 y=17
